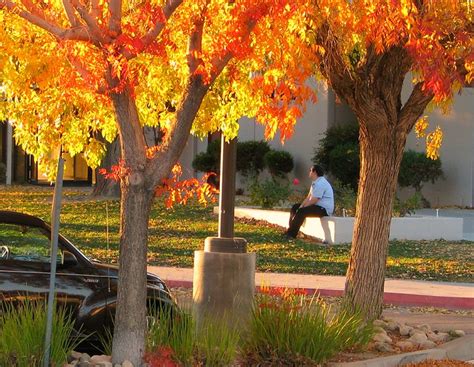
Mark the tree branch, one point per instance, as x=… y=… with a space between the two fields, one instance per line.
x=115 y=21
x=168 y=10
x=78 y=34
x=69 y=10
x=414 y=107
x=95 y=9
x=333 y=66
x=195 y=46
x=99 y=36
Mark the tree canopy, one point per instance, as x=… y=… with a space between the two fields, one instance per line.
x=54 y=73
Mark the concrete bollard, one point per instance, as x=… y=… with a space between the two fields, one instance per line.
x=224 y=282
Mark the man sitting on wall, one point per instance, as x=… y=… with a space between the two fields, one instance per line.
x=319 y=202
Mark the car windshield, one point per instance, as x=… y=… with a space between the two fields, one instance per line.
x=25 y=242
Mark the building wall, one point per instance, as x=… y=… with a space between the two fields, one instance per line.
x=457 y=154
x=308 y=131
x=457 y=151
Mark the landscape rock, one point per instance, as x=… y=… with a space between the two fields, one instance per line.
x=127 y=364
x=382 y=338
x=380 y=323
x=84 y=357
x=73 y=356
x=405 y=330
x=457 y=333
x=103 y=364
x=405 y=345
x=428 y=344
x=438 y=337
x=418 y=338
x=101 y=358
x=379 y=330
x=425 y=328
x=393 y=326
x=383 y=347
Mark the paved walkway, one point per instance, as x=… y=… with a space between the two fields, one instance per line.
x=397 y=292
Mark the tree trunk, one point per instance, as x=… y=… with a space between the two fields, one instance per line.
x=381 y=152
x=130 y=320
x=105 y=186
x=136 y=201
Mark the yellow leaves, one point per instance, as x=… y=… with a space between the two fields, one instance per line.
x=433 y=143
x=421 y=126
x=470 y=72
x=434 y=139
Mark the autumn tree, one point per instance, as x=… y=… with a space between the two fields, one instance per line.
x=371 y=52
x=77 y=73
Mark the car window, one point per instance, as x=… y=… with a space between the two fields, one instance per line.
x=25 y=243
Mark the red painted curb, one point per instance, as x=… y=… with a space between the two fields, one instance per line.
x=400 y=299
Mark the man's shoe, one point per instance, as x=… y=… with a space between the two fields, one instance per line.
x=288 y=236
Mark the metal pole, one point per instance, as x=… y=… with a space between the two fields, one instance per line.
x=227 y=188
x=10 y=147
x=55 y=210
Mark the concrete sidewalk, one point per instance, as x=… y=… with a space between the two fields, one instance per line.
x=397 y=292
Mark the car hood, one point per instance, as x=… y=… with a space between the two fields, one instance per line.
x=112 y=271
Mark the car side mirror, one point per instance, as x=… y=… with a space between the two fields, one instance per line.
x=69 y=259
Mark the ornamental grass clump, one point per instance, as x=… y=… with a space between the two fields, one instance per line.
x=174 y=340
x=171 y=338
x=22 y=334
x=217 y=344
x=290 y=328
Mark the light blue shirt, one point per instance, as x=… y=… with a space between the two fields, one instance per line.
x=321 y=189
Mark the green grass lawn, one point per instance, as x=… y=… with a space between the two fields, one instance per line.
x=175 y=234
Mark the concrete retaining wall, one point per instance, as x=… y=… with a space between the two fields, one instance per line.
x=339 y=229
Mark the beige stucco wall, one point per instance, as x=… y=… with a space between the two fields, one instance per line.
x=457 y=153
x=308 y=131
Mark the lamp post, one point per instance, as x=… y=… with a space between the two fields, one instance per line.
x=224 y=273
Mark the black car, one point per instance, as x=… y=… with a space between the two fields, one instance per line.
x=87 y=288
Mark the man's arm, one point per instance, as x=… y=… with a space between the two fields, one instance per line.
x=309 y=201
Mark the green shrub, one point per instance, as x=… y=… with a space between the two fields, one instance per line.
x=344 y=199
x=338 y=153
x=417 y=168
x=288 y=329
x=278 y=162
x=209 y=160
x=250 y=157
x=205 y=162
x=3 y=172
x=268 y=193
x=407 y=207
x=22 y=331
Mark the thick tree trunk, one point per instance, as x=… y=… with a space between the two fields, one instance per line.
x=381 y=153
x=130 y=321
x=106 y=186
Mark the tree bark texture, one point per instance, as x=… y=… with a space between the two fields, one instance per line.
x=136 y=201
x=107 y=187
x=130 y=319
x=381 y=153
